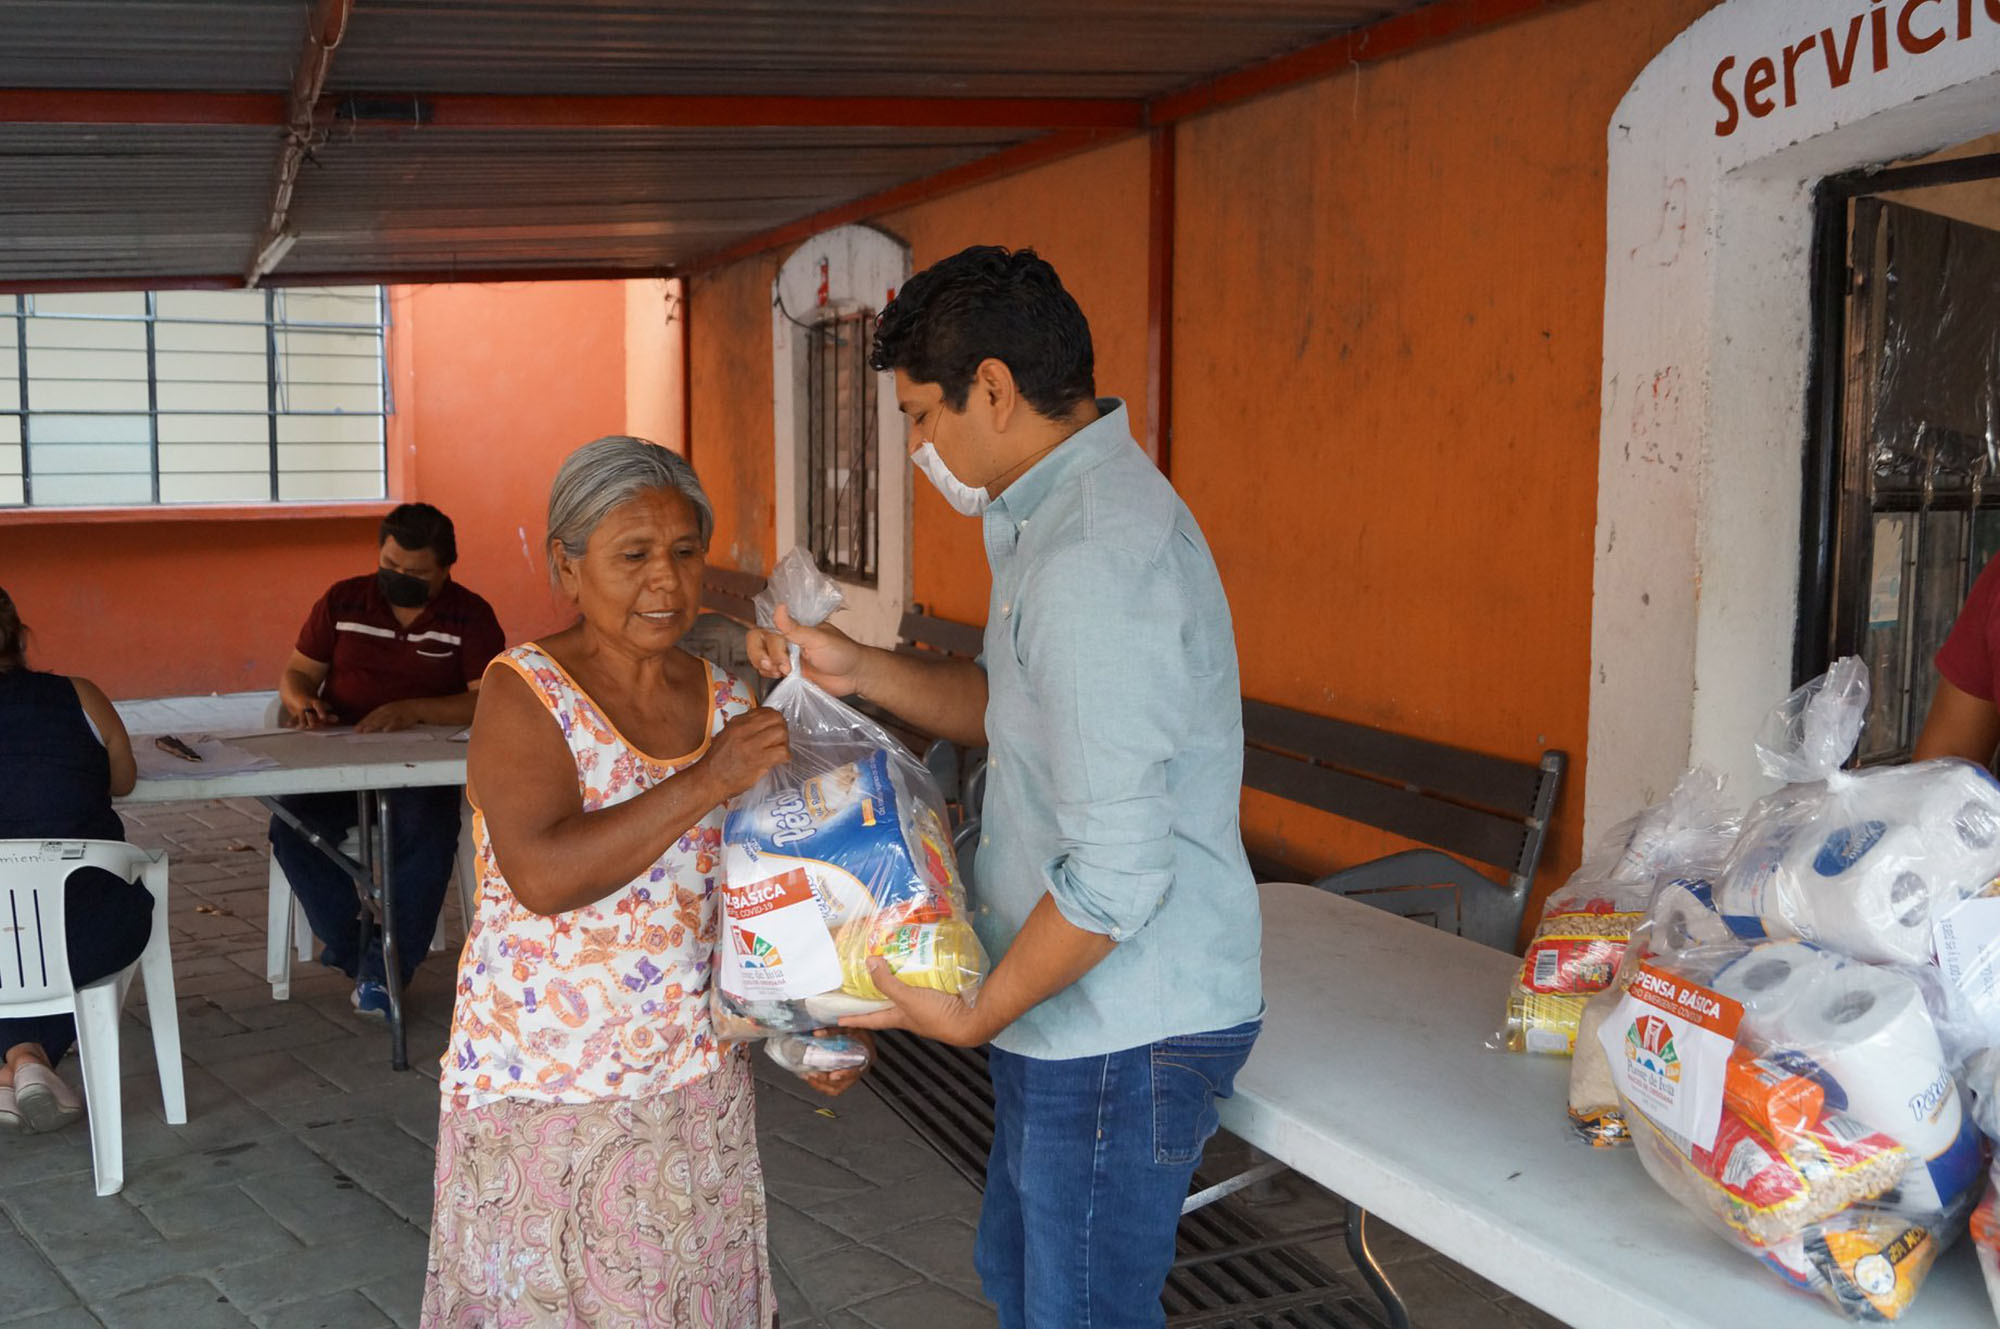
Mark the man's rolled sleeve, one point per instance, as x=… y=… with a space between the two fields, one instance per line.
x=1101 y=649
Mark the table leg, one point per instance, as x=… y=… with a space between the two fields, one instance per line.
x=371 y=853
x=392 y=961
x=1397 y=1313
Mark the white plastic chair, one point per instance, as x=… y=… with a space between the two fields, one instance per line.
x=35 y=980
x=286 y=930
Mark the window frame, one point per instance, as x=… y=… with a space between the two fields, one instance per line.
x=1836 y=565
x=23 y=316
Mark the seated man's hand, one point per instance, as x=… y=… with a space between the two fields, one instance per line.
x=315 y=714
x=390 y=717
x=831 y=658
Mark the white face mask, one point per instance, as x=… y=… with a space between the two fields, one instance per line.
x=964 y=499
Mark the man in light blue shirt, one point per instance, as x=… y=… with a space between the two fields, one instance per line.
x=1110 y=879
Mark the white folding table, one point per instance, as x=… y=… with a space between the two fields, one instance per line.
x=367 y=765
x=1372 y=1078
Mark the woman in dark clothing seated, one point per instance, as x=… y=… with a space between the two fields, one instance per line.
x=63 y=755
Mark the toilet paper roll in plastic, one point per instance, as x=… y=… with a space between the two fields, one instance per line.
x=1870 y=1034
x=1866 y=889
x=1769 y=980
x=1684 y=915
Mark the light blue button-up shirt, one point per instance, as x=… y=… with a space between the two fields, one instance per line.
x=1114 y=724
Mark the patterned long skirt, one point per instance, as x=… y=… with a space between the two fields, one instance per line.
x=621 y=1212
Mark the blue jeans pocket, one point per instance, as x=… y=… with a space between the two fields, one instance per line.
x=1189 y=1074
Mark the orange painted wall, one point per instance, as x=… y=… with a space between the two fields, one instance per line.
x=509 y=379
x=1386 y=395
x=492 y=385
x=1081 y=214
x=1388 y=301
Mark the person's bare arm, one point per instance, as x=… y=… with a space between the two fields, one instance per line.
x=1959 y=725
x=942 y=697
x=299 y=689
x=117 y=743
x=556 y=856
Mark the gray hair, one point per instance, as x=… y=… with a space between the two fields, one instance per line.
x=600 y=475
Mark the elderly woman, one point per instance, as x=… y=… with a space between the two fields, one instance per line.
x=597 y=1159
x=63 y=755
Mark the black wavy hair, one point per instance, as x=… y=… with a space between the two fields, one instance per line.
x=985 y=303
x=419 y=526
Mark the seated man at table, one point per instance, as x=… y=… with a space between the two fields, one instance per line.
x=402 y=646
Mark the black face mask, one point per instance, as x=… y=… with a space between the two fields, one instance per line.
x=402 y=590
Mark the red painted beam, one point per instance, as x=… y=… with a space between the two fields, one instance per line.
x=1430 y=25
x=1008 y=161
x=178 y=109
x=52 y=106
x=464 y=111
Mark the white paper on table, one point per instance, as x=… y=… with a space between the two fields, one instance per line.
x=462 y=736
x=217 y=758
x=349 y=733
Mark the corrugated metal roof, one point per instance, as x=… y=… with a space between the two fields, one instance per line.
x=1025 y=48
x=90 y=203
x=196 y=45
x=157 y=204
x=641 y=198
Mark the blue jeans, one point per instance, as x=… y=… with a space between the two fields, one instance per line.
x=423 y=842
x=1091 y=1160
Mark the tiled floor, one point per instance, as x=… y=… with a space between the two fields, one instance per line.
x=298 y=1193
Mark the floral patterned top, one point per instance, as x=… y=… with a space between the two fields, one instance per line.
x=606 y=1001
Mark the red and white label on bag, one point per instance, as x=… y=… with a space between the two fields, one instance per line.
x=775 y=943
x=1668 y=1043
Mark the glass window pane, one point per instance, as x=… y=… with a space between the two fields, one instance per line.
x=354 y=305
x=1882 y=649
x=249 y=458
x=214 y=429
x=11 y=494
x=311 y=358
x=77 y=491
x=329 y=485
x=79 y=334
x=215 y=487
x=342 y=429
x=229 y=306
x=96 y=304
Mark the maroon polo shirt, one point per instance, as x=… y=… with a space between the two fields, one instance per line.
x=372 y=659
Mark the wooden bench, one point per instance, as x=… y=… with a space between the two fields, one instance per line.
x=1487 y=809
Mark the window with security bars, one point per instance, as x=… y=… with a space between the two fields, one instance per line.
x=160 y=397
x=1918 y=472
x=841 y=449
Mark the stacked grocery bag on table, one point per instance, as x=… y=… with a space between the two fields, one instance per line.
x=1802 y=1035
x=839 y=856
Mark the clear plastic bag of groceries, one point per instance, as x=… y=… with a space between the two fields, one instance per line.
x=1586 y=925
x=1986 y=1240
x=1681 y=916
x=1803 y=1106
x=838 y=856
x=1869 y=863
x=796 y=582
